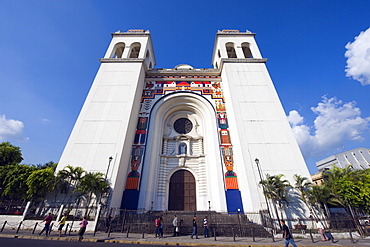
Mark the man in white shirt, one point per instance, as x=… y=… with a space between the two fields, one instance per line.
x=176 y=231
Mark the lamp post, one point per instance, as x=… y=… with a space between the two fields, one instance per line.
x=99 y=209
x=106 y=175
x=259 y=172
x=110 y=160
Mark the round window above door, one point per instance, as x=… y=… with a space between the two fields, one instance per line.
x=183 y=125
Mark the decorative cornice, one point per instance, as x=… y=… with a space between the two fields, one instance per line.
x=243 y=60
x=187 y=72
x=121 y=60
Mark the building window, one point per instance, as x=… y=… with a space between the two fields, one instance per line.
x=230 y=50
x=183 y=126
x=135 y=50
x=183 y=148
x=246 y=50
x=118 y=50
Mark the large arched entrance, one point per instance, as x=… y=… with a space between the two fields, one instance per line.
x=182 y=194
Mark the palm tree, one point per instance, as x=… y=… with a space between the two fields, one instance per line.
x=276 y=190
x=92 y=186
x=319 y=197
x=303 y=185
x=72 y=177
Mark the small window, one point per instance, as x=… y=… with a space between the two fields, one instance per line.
x=230 y=50
x=135 y=50
x=183 y=148
x=246 y=50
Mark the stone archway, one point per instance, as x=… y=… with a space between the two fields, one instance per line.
x=182 y=194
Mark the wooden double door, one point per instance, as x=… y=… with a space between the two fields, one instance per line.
x=182 y=194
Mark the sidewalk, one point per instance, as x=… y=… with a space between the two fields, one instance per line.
x=135 y=238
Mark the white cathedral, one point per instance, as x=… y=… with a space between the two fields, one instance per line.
x=184 y=138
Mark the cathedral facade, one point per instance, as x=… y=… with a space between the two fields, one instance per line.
x=184 y=138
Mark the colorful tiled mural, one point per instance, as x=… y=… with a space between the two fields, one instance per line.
x=157 y=87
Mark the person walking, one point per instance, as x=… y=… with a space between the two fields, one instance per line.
x=321 y=230
x=82 y=230
x=48 y=219
x=175 y=223
x=287 y=235
x=62 y=222
x=160 y=227
x=107 y=222
x=195 y=228
x=157 y=227
x=205 y=225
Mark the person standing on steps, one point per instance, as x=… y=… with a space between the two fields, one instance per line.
x=287 y=235
x=48 y=219
x=195 y=228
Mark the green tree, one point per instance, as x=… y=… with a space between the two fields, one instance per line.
x=9 y=154
x=49 y=164
x=349 y=188
x=14 y=184
x=39 y=183
x=276 y=189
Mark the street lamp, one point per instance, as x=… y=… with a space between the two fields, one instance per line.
x=100 y=204
x=110 y=160
x=259 y=172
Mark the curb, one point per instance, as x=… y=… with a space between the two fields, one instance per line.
x=72 y=239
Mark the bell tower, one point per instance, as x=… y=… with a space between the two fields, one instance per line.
x=104 y=126
x=257 y=122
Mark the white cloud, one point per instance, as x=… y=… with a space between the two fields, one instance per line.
x=11 y=129
x=335 y=123
x=358 y=62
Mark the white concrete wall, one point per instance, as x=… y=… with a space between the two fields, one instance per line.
x=258 y=126
x=106 y=124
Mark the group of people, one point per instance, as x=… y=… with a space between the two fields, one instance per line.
x=176 y=227
x=49 y=218
x=195 y=228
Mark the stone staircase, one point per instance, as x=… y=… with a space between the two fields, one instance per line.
x=219 y=224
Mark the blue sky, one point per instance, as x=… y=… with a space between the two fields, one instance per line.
x=50 y=49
